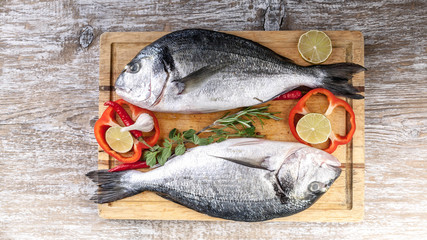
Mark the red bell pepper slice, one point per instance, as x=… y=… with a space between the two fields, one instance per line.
x=108 y=119
x=336 y=139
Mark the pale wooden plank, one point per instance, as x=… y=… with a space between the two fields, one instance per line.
x=49 y=104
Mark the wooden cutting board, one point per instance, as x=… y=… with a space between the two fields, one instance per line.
x=345 y=199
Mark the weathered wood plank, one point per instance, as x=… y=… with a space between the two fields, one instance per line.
x=49 y=93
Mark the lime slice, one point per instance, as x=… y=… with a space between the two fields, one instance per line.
x=314 y=128
x=120 y=142
x=315 y=46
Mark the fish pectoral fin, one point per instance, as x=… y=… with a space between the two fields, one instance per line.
x=253 y=163
x=196 y=78
x=179 y=85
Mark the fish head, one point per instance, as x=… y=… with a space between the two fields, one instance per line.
x=143 y=80
x=308 y=173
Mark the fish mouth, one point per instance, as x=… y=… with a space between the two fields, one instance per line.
x=329 y=184
x=120 y=90
x=337 y=173
x=120 y=84
x=128 y=92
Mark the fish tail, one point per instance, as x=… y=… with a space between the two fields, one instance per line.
x=113 y=186
x=336 y=78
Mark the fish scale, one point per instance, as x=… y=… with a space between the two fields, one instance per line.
x=238 y=179
x=199 y=71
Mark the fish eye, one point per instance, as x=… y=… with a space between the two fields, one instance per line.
x=134 y=68
x=316 y=187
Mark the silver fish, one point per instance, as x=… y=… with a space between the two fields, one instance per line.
x=199 y=71
x=239 y=179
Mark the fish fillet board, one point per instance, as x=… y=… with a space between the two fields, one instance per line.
x=343 y=202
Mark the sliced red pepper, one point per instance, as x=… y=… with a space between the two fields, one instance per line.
x=301 y=108
x=108 y=119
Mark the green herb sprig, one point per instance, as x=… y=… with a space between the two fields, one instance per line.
x=240 y=124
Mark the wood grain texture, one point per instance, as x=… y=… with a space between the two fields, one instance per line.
x=343 y=202
x=49 y=103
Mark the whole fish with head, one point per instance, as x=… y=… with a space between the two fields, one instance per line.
x=199 y=71
x=240 y=179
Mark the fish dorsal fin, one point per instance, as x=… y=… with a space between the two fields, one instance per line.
x=196 y=78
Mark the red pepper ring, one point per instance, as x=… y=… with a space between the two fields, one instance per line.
x=108 y=120
x=301 y=108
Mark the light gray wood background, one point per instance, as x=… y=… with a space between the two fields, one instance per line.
x=49 y=97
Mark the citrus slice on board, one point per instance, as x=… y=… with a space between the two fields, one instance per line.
x=315 y=46
x=314 y=128
x=120 y=142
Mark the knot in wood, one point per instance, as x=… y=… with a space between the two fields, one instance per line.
x=86 y=36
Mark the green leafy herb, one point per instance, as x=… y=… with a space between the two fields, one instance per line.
x=180 y=149
x=240 y=124
x=172 y=133
x=189 y=133
x=150 y=157
x=165 y=154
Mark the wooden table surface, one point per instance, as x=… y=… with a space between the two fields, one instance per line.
x=49 y=55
